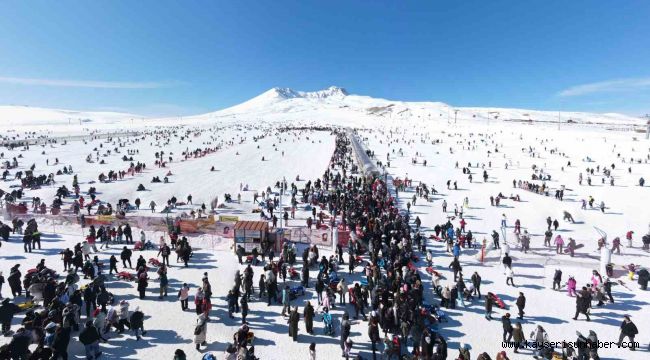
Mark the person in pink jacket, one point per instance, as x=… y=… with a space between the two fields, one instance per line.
x=596 y=279
x=571 y=286
x=559 y=244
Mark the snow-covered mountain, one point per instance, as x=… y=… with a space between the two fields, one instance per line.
x=331 y=105
x=338 y=103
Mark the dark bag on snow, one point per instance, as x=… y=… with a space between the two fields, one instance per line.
x=198 y=329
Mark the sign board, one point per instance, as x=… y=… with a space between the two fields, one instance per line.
x=228 y=218
x=249 y=246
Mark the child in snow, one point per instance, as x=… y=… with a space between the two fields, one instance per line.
x=571 y=286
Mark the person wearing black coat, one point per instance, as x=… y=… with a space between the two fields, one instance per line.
x=308 y=313
x=19 y=344
x=27 y=242
x=629 y=330
x=61 y=342
x=607 y=286
x=49 y=293
x=453 y=296
x=294 y=317
x=14 y=281
x=7 y=312
x=125 y=255
x=557 y=279
x=320 y=286
x=142 y=286
x=507 y=260
x=128 y=234
x=426 y=345
x=112 y=265
x=644 y=277
x=137 y=323
x=582 y=303
x=244 y=309
x=521 y=304
x=373 y=334
x=455 y=266
x=305 y=274
x=507 y=327
x=476 y=281
x=90 y=299
x=442 y=348
x=345 y=331
x=489 y=303
x=103 y=298
x=90 y=337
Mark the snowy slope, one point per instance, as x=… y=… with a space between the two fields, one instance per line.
x=390 y=126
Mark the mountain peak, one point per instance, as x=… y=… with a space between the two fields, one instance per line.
x=287 y=93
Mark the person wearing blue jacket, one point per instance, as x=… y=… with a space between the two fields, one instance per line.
x=450 y=232
x=456 y=250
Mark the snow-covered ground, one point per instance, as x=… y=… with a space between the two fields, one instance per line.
x=388 y=127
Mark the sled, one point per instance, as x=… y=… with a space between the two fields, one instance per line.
x=293 y=273
x=579 y=246
x=358 y=260
x=497 y=301
x=124 y=275
x=26 y=305
x=296 y=291
x=437 y=314
x=333 y=277
x=432 y=272
x=435 y=238
x=333 y=281
x=154 y=262
x=249 y=259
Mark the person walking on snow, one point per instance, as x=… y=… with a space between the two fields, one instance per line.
x=495 y=239
x=628 y=236
x=200 y=331
x=629 y=330
x=90 y=337
x=521 y=305
x=571 y=285
x=559 y=244
x=510 y=276
x=507 y=327
x=557 y=279
x=183 y=296
x=616 y=245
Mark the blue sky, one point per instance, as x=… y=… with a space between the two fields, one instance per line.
x=187 y=57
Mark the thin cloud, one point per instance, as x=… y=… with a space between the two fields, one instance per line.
x=631 y=84
x=88 y=83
